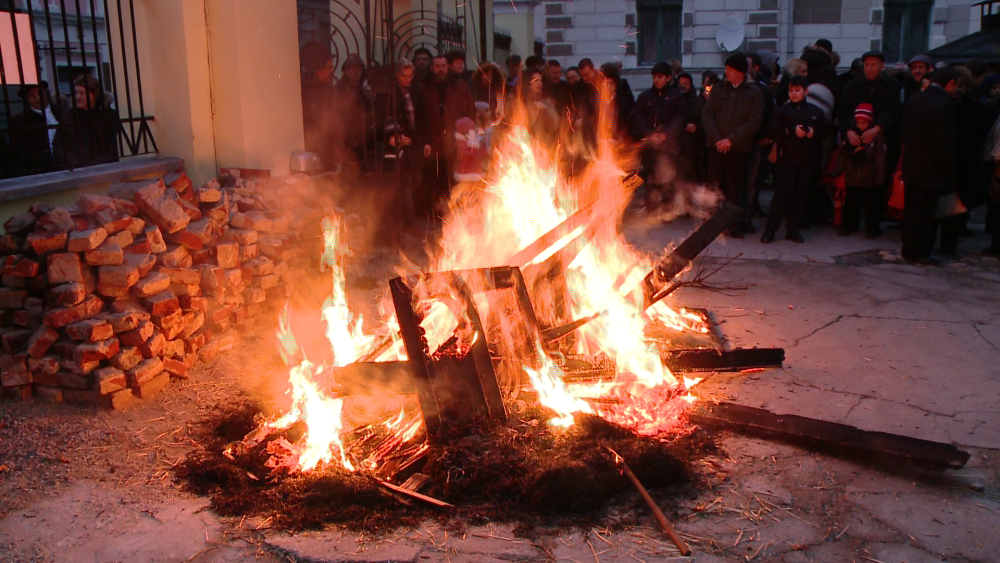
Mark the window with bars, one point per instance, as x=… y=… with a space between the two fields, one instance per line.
x=659 y=24
x=906 y=26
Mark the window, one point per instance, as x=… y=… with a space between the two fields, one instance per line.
x=906 y=27
x=659 y=30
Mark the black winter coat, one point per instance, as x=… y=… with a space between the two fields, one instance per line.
x=29 y=138
x=929 y=139
x=87 y=137
x=863 y=166
x=882 y=94
x=791 y=148
x=656 y=107
x=733 y=113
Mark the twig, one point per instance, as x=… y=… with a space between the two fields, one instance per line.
x=660 y=517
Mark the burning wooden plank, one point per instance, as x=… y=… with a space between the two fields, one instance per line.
x=832 y=436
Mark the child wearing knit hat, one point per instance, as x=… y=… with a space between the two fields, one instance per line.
x=863 y=167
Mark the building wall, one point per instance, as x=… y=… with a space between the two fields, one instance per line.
x=604 y=30
x=518 y=19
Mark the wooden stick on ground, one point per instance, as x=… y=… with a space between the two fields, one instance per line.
x=413 y=494
x=660 y=517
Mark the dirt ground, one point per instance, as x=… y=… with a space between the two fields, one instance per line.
x=872 y=343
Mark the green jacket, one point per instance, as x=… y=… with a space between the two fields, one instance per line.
x=733 y=113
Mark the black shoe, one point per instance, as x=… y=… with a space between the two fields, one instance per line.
x=795 y=237
x=767 y=237
x=872 y=235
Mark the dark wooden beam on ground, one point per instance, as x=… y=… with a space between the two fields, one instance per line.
x=707 y=359
x=833 y=437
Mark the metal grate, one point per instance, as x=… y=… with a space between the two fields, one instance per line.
x=57 y=46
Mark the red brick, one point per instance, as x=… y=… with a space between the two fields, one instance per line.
x=45 y=365
x=121 y=322
x=96 y=351
x=122 y=225
x=106 y=219
x=191 y=208
x=34 y=304
x=108 y=380
x=57 y=219
x=136 y=228
x=20 y=223
x=209 y=193
x=195 y=343
x=181 y=275
x=260 y=266
x=152 y=284
x=15 y=341
x=166 y=213
x=126 y=206
x=108 y=254
x=154 y=346
x=178 y=180
x=212 y=279
x=14 y=362
x=141 y=246
x=233 y=277
x=77 y=367
x=194 y=323
x=13 y=281
x=240 y=236
x=12 y=298
x=52 y=395
x=203 y=256
x=122 y=239
x=152 y=387
x=257 y=221
x=63 y=348
x=41 y=341
x=26 y=318
x=117 y=400
x=20 y=266
x=127 y=358
x=219 y=210
x=38 y=283
x=138 y=335
x=173 y=257
x=254 y=295
x=162 y=303
x=269 y=281
x=155 y=239
x=184 y=289
x=11 y=244
x=128 y=305
x=15 y=378
x=65 y=267
x=19 y=393
x=117 y=276
x=82 y=241
x=227 y=255
x=187 y=239
x=248 y=252
x=146 y=370
x=173 y=348
x=220 y=326
x=46 y=242
x=189 y=302
x=143 y=262
x=88 y=308
x=168 y=321
x=176 y=368
x=90 y=330
x=92 y=203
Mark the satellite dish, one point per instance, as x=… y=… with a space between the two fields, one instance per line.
x=730 y=34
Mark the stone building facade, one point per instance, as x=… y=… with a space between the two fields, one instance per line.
x=639 y=32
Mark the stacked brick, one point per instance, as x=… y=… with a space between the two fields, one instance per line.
x=110 y=298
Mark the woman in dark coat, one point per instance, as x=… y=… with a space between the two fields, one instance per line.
x=88 y=130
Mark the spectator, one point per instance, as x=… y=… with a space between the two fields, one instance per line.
x=863 y=168
x=756 y=169
x=794 y=67
x=318 y=102
x=821 y=66
x=624 y=101
x=768 y=66
x=540 y=111
x=731 y=118
x=798 y=128
x=88 y=130
x=513 y=72
x=573 y=76
x=353 y=103
x=556 y=88
x=32 y=132
x=920 y=66
x=929 y=135
x=857 y=69
x=446 y=99
x=587 y=71
x=979 y=70
x=692 y=139
x=534 y=62
x=661 y=107
x=488 y=86
x=706 y=77
x=403 y=145
x=882 y=92
x=456 y=65
x=991 y=163
x=422 y=64
x=972 y=122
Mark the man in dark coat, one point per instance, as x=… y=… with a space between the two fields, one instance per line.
x=556 y=89
x=874 y=87
x=662 y=105
x=88 y=131
x=354 y=106
x=920 y=66
x=929 y=138
x=732 y=116
x=318 y=110
x=403 y=146
x=692 y=143
x=32 y=132
x=446 y=99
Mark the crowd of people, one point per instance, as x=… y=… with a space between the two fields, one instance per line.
x=913 y=147
x=49 y=133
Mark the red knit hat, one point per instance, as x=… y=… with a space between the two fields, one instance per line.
x=866 y=111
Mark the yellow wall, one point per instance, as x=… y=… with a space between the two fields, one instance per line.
x=522 y=31
x=255 y=82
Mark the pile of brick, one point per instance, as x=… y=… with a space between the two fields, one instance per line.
x=112 y=297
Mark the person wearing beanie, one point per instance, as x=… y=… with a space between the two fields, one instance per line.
x=732 y=115
x=930 y=135
x=661 y=109
x=798 y=129
x=880 y=90
x=864 y=173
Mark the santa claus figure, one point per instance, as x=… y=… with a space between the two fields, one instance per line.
x=470 y=151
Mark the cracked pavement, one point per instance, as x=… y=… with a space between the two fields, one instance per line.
x=869 y=341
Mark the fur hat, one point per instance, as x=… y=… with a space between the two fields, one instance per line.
x=738 y=62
